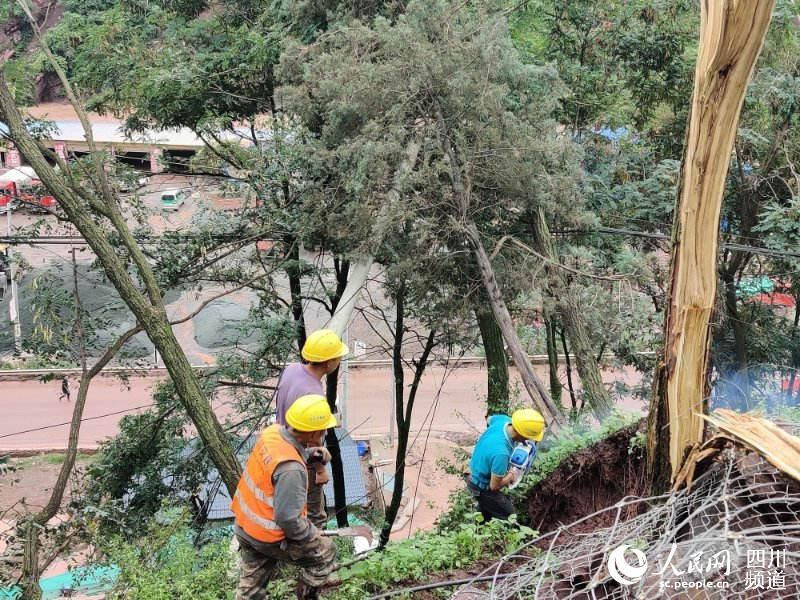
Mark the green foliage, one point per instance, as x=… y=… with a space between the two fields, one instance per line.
x=424 y=554
x=460 y=509
x=147 y=463
x=620 y=60
x=165 y=565
x=35 y=363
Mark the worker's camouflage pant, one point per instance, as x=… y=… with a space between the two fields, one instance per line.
x=259 y=562
x=315 y=500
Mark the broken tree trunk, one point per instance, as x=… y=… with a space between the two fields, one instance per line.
x=731 y=35
x=530 y=380
x=461 y=191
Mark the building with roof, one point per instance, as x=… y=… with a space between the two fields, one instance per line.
x=150 y=150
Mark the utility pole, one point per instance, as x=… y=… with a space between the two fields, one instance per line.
x=344 y=374
x=13 y=304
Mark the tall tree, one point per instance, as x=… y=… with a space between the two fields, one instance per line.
x=95 y=215
x=472 y=93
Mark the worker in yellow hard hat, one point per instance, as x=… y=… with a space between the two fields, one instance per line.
x=270 y=504
x=490 y=467
x=321 y=353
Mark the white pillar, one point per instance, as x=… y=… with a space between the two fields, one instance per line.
x=155 y=161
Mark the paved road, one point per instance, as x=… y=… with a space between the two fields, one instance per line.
x=452 y=401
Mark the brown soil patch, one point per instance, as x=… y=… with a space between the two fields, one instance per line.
x=30 y=481
x=588 y=481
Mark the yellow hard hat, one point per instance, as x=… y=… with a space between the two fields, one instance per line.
x=529 y=423
x=323 y=345
x=310 y=413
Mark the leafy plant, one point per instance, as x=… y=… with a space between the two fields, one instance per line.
x=427 y=553
x=150 y=461
x=165 y=565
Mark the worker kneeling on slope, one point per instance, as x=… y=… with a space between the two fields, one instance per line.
x=270 y=504
x=496 y=463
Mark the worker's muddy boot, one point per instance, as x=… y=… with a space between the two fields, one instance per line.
x=306 y=592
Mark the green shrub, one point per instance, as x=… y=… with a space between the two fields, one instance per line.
x=428 y=553
x=165 y=565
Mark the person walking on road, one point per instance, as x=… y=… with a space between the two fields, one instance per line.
x=489 y=466
x=321 y=354
x=270 y=505
x=65 y=392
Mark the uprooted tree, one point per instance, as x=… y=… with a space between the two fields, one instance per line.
x=731 y=37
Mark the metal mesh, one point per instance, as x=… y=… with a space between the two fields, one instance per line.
x=735 y=534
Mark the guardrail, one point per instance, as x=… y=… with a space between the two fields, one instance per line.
x=463 y=361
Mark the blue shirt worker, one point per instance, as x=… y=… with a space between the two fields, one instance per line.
x=489 y=467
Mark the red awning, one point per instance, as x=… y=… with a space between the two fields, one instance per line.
x=775 y=299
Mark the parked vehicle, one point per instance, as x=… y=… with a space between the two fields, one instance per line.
x=43 y=203
x=172 y=199
x=13 y=183
x=8 y=196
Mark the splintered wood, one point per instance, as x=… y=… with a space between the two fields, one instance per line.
x=731 y=36
x=779 y=448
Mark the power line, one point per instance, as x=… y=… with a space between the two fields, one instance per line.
x=119 y=412
x=232 y=237
x=662 y=236
x=65 y=240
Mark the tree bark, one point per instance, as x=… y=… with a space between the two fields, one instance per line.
x=337 y=466
x=530 y=380
x=550 y=327
x=293 y=272
x=332 y=442
x=147 y=307
x=403 y=425
x=731 y=35
x=594 y=390
x=496 y=362
x=568 y=368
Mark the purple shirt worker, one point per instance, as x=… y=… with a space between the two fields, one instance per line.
x=322 y=353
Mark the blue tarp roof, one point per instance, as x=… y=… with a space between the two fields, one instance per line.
x=355 y=490
x=612 y=135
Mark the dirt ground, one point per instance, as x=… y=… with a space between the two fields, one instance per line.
x=589 y=480
x=29 y=480
x=427 y=484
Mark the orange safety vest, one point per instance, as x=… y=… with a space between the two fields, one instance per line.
x=253 y=501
